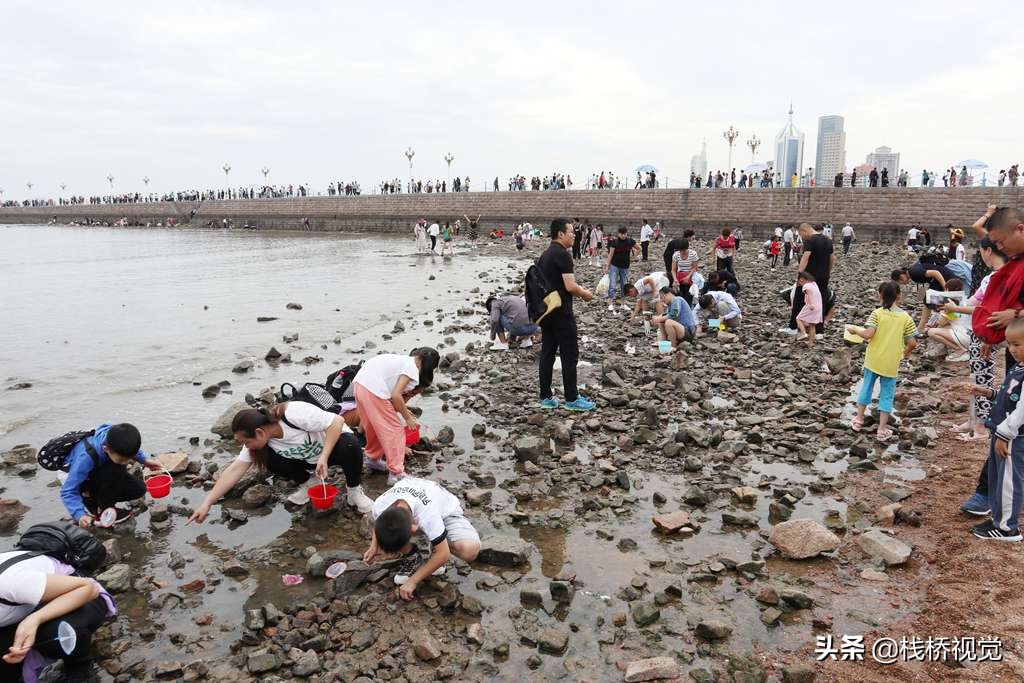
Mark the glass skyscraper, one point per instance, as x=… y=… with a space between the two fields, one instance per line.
x=789 y=152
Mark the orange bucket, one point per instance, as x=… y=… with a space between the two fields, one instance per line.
x=159 y=485
x=412 y=436
x=322 y=496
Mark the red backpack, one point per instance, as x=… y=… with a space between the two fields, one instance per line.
x=1003 y=293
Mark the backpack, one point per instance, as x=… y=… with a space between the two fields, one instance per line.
x=1003 y=293
x=339 y=381
x=541 y=298
x=315 y=394
x=66 y=542
x=53 y=454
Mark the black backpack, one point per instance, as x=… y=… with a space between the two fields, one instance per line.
x=339 y=381
x=66 y=542
x=52 y=456
x=315 y=394
x=541 y=298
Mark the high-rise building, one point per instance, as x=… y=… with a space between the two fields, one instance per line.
x=789 y=152
x=831 y=153
x=699 y=162
x=884 y=157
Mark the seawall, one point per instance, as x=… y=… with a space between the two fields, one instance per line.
x=882 y=213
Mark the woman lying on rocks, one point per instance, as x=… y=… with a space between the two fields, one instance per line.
x=297 y=441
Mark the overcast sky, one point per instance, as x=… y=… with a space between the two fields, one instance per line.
x=325 y=91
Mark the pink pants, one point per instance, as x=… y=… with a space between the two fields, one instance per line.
x=384 y=430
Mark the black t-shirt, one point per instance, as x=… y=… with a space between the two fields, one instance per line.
x=918 y=270
x=820 y=262
x=621 y=249
x=672 y=247
x=553 y=263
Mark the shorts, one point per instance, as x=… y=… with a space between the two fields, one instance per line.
x=458 y=528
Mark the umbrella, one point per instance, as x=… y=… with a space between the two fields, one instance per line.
x=755 y=168
x=646 y=168
x=972 y=163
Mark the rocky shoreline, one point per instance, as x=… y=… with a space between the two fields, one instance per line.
x=710 y=519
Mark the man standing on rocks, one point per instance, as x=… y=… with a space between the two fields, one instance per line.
x=617 y=266
x=787 y=245
x=559 y=327
x=848 y=236
x=646 y=233
x=817 y=259
x=434 y=231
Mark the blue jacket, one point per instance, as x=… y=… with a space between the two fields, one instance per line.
x=80 y=465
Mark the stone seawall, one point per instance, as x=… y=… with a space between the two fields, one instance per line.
x=874 y=212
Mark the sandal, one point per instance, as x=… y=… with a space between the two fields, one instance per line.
x=972 y=436
x=884 y=435
x=857 y=424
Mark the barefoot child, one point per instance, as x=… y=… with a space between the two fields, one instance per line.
x=414 y=505
x=810 y=315
x=890 y=334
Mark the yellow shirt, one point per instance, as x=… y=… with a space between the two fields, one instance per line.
x=893 y=327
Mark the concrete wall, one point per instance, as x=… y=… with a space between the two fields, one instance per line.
x=874 y=212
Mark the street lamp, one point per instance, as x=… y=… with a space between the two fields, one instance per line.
x=227 y=169
x=110 y=179
x=449 y=158
x=62 y=187
x=753 y=143
x=731 y=136
x=29 y=186
x=145 y=179
x=409 y=154
x=265 y=171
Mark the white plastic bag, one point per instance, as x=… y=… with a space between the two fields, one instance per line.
x=602 y=286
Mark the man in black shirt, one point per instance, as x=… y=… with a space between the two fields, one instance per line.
x=674 y=245
x=617 y=267
x=817 y=259
x=559 y=327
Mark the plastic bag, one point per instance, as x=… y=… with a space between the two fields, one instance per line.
x=602 y=286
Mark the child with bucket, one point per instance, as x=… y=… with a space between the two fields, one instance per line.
x=97 y=476
x=297 y=441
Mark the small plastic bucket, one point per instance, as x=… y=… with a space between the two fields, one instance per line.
x=664 y=346
x=159 y=485
x=412 y=436
x=713 y=323
x=322 y=496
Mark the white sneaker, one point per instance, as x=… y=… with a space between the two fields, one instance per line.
x=961 y=357
x=627 y=309
x=301 y=495
x=359 y=500
x=393 y=478
x=498 y=346
x=526 y=343
x=786 y=330
x=611 y=308
x=375 y=465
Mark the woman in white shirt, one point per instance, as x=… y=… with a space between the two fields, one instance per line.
x=297 y=441
x=382 y=386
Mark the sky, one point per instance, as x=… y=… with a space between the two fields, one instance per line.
x=320 y=91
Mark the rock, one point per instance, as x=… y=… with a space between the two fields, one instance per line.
x=117 y=579
x=11 y=512
x=243 y=367
x=739 y=518
x=478 y=430
x=211 y=391
x=671 y=522
x=175 y=463
x=561 y=591
x=398 y=328
x=293 y=306
x=234 y=569
x=798 y=673
x=272 y=355
x=19 y=386
x=265 y=318
x=262 y=662
x=528 y=449
x=887 y=513
x=881 y=546
x=113 y=547
x=768 y=596
x=222 y=427
x=505 y=551
x=800 y=539
x=796 y=598
x=318 y=562
x=427 y=649
x=552 y=641
x=307 y=662
x=695 y=496
x=475 y=633
x=445 y=435
x=477 y=497
x=167 y=670
x=745 y=494
x=22 y=454
x=254 y=619
x=272 y=614
x=645 y=613
x=257 y=496
x=659 y=498
x=713 y=629
x=652 y=669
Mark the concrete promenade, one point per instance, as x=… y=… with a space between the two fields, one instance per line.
x=882 y=213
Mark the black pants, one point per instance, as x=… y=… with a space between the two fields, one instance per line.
x=433 y=242
x=85 y=620
x=576 y=248
x=347 y=454
x=724 y=264
x=798 y=302
x=738 y=244
x=111 y=483
x=668 y=264
x=643 y=248
x=775 y=260
x=559 y=338
x=787 y=253
x=846 y=245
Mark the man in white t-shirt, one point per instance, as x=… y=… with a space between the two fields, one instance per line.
x=647 y=291
x=848 y=236
x=912 y=235
x=787 y=245
x=421 y=505
x=646 y=233
x=434 y=232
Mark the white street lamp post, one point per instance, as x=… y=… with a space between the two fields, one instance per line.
x=753 y=143
x=449 y=158
x=110 y=179
x=730 y=135
x=227 y=169
x=409 y=154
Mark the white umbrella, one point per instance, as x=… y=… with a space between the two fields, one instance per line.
x=972 y=163
x=646 y=168
x=756 y=167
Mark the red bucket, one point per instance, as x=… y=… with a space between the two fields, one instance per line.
x=412 y=436
x=159 y=485
x=322 y=496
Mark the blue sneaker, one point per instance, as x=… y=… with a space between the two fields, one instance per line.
x=549 y=403
x=582 y=404
x=977 y=504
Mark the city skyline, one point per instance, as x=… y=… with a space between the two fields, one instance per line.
x=327 y=93
x=830 y=155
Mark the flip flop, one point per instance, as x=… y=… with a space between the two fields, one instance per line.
x=856 y=424
x=971 y=437
x=885 y=435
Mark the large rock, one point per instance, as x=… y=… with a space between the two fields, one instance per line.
x=117 y=579
x=22 y=454
x=307 y=662
x=671 y=522
x=881 y=546
x=652 y=669
x=713 y=629
x=528 y=449
x=319 y=561
x=175 y=463
x=426 y=647
x=505 y=551
x=222 y=427
x=11 y=512
x=257 y=496
x=799 y=539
